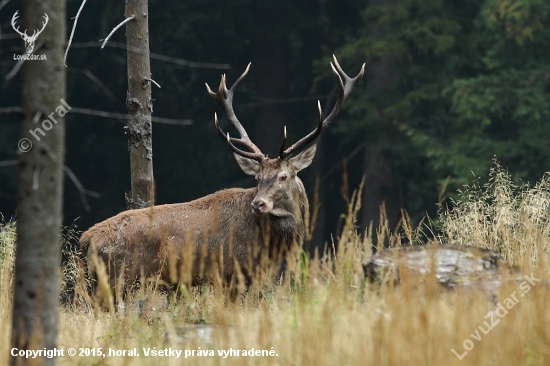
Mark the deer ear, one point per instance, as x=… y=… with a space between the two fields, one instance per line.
x=249 y=166
x=303 y=159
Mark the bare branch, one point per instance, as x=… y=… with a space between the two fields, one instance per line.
x=72 y=32
x=99 y=83
x=156 y=56
x=15 y=69
x=47 y=9
x=96 y=81
x=3 y=3
x=152 y=81
x=83 y=191
x=11 y=36
x=121 y=116
x=115 y=29
x=37 y=116
x=177 y=61
x=8 y=110
x=8 y=163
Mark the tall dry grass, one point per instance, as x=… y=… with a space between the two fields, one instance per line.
x=328 y=314
x=7 y=258
x=503 y=216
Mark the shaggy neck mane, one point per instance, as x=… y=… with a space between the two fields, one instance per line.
x=287 y=229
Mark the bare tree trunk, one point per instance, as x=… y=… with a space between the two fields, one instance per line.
x=139 y=105
x=40 y=185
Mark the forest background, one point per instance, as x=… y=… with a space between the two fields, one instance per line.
x=448 y=86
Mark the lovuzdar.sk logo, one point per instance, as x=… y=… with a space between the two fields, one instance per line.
x=30 y=41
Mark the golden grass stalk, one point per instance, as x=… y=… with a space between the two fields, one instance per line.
x=324 y=313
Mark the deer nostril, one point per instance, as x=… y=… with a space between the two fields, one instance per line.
x=258 y=205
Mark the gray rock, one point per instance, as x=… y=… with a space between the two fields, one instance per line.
x=453 y=265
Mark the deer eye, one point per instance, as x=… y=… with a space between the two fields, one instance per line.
x=283 y=178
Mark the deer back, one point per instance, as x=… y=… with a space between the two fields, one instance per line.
x=220 y=227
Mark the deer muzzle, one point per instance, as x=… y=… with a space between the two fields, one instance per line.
x=261 y=206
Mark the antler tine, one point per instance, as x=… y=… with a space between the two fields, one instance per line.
x=344 y=89
x=282 y=148
x=224 y=97
x=238 y=81
x=218 y=128
x=45 y=22
x=223 y=134
x=246 y=154
x=13 y=20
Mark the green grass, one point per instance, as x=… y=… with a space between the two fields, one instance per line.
x=329 y=315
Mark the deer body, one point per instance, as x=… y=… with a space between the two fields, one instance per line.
x=230 y=232
x=218 y=227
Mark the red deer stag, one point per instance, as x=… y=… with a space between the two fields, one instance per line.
x=231 y=230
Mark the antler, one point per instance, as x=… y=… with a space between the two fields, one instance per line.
x=224 y=97
x=35 y=34
x=344 y=89
x=13 y=19
x=24 y=34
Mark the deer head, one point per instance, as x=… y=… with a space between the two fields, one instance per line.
x=29 y=40
x=277 y=179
